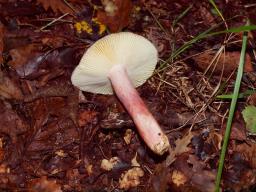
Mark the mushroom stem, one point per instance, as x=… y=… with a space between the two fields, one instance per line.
x=147 y=126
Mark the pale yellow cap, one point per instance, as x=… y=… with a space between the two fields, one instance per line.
x=135 y=52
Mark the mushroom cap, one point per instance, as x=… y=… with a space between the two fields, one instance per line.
x=137 y=54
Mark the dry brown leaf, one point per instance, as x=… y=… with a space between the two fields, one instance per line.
x=11 y=124
x=56 y=6
x=1 y=42
x=109 y=164
x=195 y=171
x=181 y=146
x=131 y=178
x=25 y=59
x=116 y=14
x=248 y=152
x=178 y=178
x=43 y=184
x=128 y=136
x=252 y=99
x=8 y=88
x=86 y=117
x=229 y=59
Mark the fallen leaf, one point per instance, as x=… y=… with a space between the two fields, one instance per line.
x=9 y=88
x=159 y=179
x=248 y=152
x=128 y=136
x=252 y=99
x=1 y=42
x=109 y=164
x=135 y=162
x=11 y=124
x=86 y=117
x=116 y=14
x=25 y=59
x=178 y=178
x=230 y=60
x=195 y=172
x=131 y=178
x=43 y=184
x=181 y=146
x=56 y=6
x=250 y=118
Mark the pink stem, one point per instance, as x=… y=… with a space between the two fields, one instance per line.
x=147 y=126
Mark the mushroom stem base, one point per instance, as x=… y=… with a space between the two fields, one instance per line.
x=146 y=124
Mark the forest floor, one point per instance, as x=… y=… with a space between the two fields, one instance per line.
x=55 y=138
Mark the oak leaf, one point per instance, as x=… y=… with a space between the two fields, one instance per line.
x=56 y=6
x=181 y=147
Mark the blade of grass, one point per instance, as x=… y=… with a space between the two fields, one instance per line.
x=240 y=95
x=181 y=16
x=218 y=11
x=207 y=34
x=231 y=113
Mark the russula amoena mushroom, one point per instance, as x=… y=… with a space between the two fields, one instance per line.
x=120 y=62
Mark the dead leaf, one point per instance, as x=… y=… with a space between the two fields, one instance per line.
x=116 y=14
x=11 y=124
x=248 y=152
x=109 y=164
x=195 y=172
x=1 y=42
x=25 y=59
x=134 y=161
x=56 y=6
x=86 y=117
x=43 y=184
x=178 y=178
x=9 y=88
x=252 y=100
x=128 y=136
x=131 y=178
x=181 y=146
x=230 y=61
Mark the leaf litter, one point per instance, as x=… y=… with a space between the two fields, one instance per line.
x=54 y=137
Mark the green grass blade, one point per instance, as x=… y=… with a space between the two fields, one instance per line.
x=181 y=16
x=207 y=34
x=217 y=10
x=240 y=96
x=231 y=113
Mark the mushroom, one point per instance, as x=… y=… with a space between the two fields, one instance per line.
x=121 y=62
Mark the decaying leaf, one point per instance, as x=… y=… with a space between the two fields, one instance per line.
x=25 y=59
x=86 y=117
x=109 y=164
x=43 y=184
x=9 y=88
x=248 y=152
x=250 y=118
x=190 y=169
x=134 y=161
x=56 y=6
x=178 y=178
x=252 y=99
x=131 y=178
x=230 y=61
x=1 y=42
x=116 y=14
x=181 y=146
x=128 y=136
